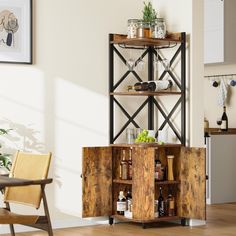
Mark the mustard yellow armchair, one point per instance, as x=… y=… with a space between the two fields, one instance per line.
x=25 y=185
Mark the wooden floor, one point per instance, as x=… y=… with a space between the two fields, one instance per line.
x=221 y=222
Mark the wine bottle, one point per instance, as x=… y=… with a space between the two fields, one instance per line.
x=158 y=85
x=129 y=200
x=224 y=119
x=123 y=166
x=121 y=204
x=170 y=204
x=161 y=209
x=130 y=170
x=153 y=85
x=140 y=86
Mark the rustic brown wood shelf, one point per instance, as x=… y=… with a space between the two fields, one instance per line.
x=156 y=219
x=166 y=145
x=167 y=182
x=122 y=181
x=170 y=40
x=133 y=93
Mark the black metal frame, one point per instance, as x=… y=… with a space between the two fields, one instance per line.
x=151 y=100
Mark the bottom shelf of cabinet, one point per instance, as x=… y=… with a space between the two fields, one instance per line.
x=157 y=219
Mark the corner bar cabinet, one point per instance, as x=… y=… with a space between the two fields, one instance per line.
x=101 y=182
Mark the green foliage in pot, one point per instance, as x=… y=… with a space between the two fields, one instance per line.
x=149 y=13
x=5 y=160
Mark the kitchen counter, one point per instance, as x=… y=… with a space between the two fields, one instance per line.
x=215 y=131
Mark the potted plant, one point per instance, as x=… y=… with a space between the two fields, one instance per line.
x=149 y=13
x=144 y=25
x=5 y=160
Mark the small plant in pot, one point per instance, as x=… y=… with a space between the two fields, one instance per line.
x=149 y=15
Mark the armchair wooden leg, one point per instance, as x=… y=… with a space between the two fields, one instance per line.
x=50 y=232
x=11 y=226
x=12 y=230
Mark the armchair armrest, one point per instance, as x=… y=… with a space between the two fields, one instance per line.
x=14 y=182
x=41 y=181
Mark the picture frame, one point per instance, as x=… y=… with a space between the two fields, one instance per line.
x=16 y=31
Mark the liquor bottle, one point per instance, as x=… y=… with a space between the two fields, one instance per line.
x=121 y=204
x=123 y=167
x=129 y=200
x=170 y=204
x=158 y=172
x=224 y=119
x=161 y=209
x=130 y=169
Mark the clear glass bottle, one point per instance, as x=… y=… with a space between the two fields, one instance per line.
x=158 y=28
x=132 y=28
x=121 y=204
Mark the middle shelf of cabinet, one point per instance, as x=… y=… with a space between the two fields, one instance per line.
x=146 y=93
x=129 y=182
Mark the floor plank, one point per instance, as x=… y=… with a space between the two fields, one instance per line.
x=221 y=220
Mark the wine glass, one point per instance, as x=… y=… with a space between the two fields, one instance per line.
x=130 y=62
x=219 y=122
x=166 y=64
x=140 y=64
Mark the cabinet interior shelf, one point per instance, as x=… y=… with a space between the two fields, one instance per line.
x=134 y=93
x=171 y=40
x=167 y=182
x=156 y=219
x=123 y=181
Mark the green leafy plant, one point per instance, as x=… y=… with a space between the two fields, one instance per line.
x=5 y=160
x=149 y=13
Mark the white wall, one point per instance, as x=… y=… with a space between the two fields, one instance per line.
x=60 y=103
x=187 y=16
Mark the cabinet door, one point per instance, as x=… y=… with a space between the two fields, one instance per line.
x=97 y=181
x=143 y=189
x=193 y=183
x=213 y=31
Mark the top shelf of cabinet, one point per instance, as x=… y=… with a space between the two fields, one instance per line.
x=155 y=145
x=171 y=40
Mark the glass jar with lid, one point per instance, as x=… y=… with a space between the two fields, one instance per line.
x=158 y=28
x=144 y=29
x=132 y=28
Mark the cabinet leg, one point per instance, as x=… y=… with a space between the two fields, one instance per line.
x=111 y=220
x=144 y=226
x=183 y=222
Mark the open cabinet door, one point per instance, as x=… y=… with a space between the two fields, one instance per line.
x=143 y=189
x=193 y=183
x=97 y=181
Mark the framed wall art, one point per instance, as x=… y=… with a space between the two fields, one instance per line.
x=16 y=31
